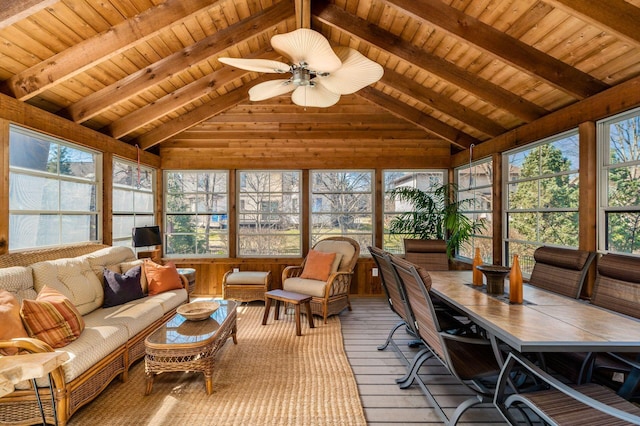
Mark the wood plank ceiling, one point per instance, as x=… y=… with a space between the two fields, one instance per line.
x=462 y=71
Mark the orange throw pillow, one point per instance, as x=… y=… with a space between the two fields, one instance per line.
x=52 y=318
x=318 y=265
x=161 y=278
x=12 y=326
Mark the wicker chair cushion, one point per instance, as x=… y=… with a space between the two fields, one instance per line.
x=305 y=286
x=126 y=266
x=562 y=258
x=109 y=258
x=12 y=326
x=122 y=288
x=52 y=318
x=72 y=277
x=343 y=247
x=247 y=277
x=18 y=280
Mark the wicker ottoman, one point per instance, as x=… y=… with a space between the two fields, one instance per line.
x=245 y=286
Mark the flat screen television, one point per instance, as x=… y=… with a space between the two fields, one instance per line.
x=146 y=236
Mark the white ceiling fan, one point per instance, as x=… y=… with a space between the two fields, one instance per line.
x=319 y=74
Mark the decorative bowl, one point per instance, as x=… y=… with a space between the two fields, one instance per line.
x=197 y=311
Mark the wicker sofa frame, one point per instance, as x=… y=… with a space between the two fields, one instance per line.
x=20 y=407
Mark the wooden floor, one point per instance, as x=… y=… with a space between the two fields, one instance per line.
x=384 y=403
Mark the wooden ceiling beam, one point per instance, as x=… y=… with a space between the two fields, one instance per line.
x=303 y=13
x=181 y=97
x=212 y=45
x=615 y=16
x=12 y=11
x=441 y=103
x=301 y=135
x=384 y=40
x=214 y=107
x=520 y=55
x=420 y=119
x=86 y=54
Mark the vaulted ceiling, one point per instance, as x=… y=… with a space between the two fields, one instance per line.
x=463 y=71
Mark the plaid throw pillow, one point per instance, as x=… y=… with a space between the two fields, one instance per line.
x=52 y=318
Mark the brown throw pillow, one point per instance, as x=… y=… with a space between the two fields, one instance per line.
x=11 y=323
x=318 y=265
x=161 y=278
x=52 y=318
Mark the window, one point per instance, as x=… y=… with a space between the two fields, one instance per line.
x=54 y=191
x=421 y=179
x=196 y=209
x=541 y=197
x=133 y=199
x=269 y=213
x=619 y=224
x=342 y=205
x=475 y=184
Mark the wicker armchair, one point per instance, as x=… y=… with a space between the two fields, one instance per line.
x=330 y=297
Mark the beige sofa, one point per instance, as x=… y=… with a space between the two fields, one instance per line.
x=113 y=337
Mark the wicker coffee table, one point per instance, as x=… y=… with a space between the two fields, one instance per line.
x=182 y=345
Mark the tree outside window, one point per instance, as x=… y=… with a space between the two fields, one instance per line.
x=342 y=205
x=542 y=198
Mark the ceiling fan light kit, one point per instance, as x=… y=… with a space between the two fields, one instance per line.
x=319 y=75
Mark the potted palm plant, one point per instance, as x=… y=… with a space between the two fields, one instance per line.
x=434 y=215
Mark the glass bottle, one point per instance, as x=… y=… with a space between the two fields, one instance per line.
x=515 y=281
x=477 y=261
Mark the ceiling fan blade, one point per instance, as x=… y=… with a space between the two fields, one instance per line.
x=269 y=89
x=357 y=71
x=258 y=65
x=314 y=96
x=305 y=45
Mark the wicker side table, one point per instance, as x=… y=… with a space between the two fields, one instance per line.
x=245 y=286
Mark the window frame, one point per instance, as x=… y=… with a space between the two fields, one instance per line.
x=372 y=173
x=58 y=177
x=167 y=212
x=385 y=212
x=487 y=256
x=242 y=205
x=127 y=241
x=604 y=167
x=526 y=263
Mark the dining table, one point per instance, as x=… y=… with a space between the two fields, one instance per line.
x=544 y=322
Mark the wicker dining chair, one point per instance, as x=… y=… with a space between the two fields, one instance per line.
x=557 y=403
x=470 y=359
x=329 y=297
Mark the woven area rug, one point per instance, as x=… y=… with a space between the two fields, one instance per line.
x=271 y=377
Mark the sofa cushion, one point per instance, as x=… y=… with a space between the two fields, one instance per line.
x=18 y=280
x=317 y=265
x=109 y=258
x=162 y=278
x=135 y=316
x=304 y=286
x=167 y=300
x=122 y=288
x=52 y=318
x=72 y=277
x=126 y=266
x=12 y=326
